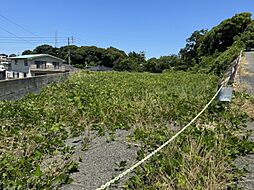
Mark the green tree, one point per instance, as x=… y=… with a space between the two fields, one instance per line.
x=12 y=55
x=150 y=65
x=127 y=64
x=248 y=36
x=189 y=54
x=27 y=52
x=113 y=56
x=167 y=62
x=219 y=38
x=139 y=57
x=45 y=49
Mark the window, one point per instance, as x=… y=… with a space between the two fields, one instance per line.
x=16 y=61
x=56 y=65
x=25 y=63
x=17 y=75
x=24 y=75
x=40 y=64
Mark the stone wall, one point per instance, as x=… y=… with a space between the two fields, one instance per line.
x=17 y=88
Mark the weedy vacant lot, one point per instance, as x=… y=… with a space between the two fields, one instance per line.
x=33 y=154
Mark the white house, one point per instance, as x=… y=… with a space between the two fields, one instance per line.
x=36 y=64
x=4 y=67
x=2 y=72
x=3 y=58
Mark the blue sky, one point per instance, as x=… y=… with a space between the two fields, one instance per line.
x=158 y=27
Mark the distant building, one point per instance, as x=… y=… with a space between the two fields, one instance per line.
x=4 y=61
x=99 y=68
x=36 y=64
x=3 y=58
x=4 y=67
x=2 y=72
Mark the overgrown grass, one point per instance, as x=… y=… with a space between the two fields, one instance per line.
x=33 y=130
x=202 y=157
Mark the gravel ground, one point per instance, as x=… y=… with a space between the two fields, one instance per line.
x=100 y=162
x=247 y=162
x=248 y=77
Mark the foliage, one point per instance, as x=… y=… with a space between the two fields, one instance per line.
x=212 y=51
x=45 y=49
x=201 y=46
x=134 y=62
x=127 y=64
x=27 y=52
x=218 y=63
x=248 y=36
x=200 y=158
x=33 y=130
x=189 y=54
x=209 y=51
x=12 y=55
x=222 y=36
x=163 y=63
x=82 y=56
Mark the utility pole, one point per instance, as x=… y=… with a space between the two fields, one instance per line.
x=69 y=52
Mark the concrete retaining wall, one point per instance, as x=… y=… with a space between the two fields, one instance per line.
x=17 y=88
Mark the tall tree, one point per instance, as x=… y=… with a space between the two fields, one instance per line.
x=45 y=49
x=248 y=36
x=189 y=54
x=27 y=52
x=219 y=38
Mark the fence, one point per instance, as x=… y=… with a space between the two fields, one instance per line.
x=17 y=88
x=226 y=92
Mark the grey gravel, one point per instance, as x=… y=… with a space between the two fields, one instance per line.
x=247 y=162
x=249 y=68
x=100 y=162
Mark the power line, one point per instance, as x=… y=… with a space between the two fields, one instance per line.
x=15 y=35
x=31 y=37
x=23 y=42
x=23 y=28
x=18 y=25
x=80 y=40
x=32 y=40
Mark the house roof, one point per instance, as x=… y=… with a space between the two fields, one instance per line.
x=33 y=56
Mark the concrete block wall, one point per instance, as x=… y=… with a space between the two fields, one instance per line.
x=15 y=89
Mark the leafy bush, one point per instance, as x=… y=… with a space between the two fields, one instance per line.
x=33 y=130
x=200 y=158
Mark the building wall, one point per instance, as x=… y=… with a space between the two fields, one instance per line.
x=17 y=88
x=49 y=62
x=19 y=66
x=9 y=74
x=2 y=75
x=17 y=75
x=3 y=58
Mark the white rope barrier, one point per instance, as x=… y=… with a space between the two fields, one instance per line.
x=161 y=147
x=226 y=80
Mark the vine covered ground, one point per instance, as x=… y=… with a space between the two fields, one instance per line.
x=33 y=153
